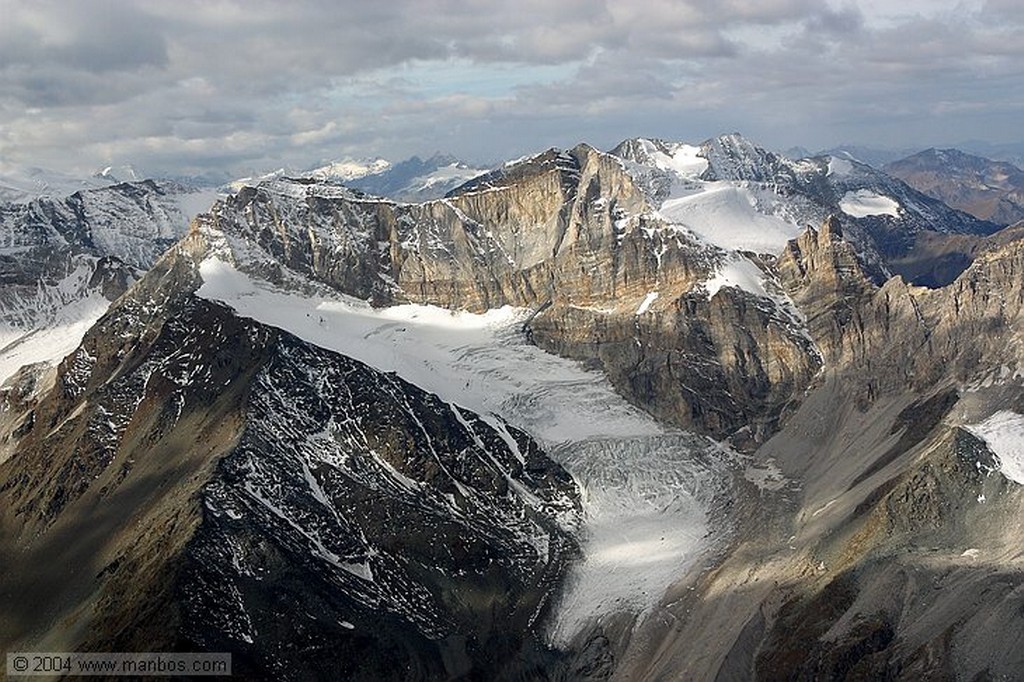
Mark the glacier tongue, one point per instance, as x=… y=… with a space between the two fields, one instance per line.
x=45 y=323
x=645 y=502
x=645 y=488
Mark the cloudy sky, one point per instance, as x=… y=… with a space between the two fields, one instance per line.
x=201 y=86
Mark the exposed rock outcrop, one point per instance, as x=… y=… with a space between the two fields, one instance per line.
x=889 y=548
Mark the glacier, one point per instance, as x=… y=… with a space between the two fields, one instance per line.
x=647 y=489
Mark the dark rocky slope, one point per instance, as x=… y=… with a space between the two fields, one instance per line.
x=213 y=484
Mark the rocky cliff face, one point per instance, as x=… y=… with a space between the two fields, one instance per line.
x=569 y=235
x=900 y=335
x=881 y=548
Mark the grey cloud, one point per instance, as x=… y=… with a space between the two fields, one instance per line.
x=847 y=20
x=93 y=36
x=202 y=84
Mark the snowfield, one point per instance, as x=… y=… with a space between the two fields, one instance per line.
x=864 y=203
x=738 y=271
x=644 y=487
x=726 y=215
x=683 y=159
x=1003 y=432
x=48 y=324
x=839 y=167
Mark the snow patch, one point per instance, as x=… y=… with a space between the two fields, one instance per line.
x=682 y=159
x=737 y=271
x=864 y=202
x=648 y=300
x=1003 y=432
x=839 y=167
x=726 y=215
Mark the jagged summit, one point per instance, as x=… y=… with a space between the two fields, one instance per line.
x=734 y=157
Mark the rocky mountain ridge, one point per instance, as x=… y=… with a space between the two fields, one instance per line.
x=64 y=259
x=886 y=551
x=522 y=236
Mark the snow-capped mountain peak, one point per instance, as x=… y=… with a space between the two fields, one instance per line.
x=123 y=173
x=350 y=169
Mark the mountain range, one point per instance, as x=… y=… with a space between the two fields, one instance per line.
x=990 y=190
x=669 y=411
x=411 y=180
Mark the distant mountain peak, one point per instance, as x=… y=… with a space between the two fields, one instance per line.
x=122 y=173
x=417 y=179
x=351 y=169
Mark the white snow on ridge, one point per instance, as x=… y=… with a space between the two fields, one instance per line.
x=726 y=215
x=683 y=159
x=1003 y=432
x=643 y=521
x=864 y=202
x=737 y=271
